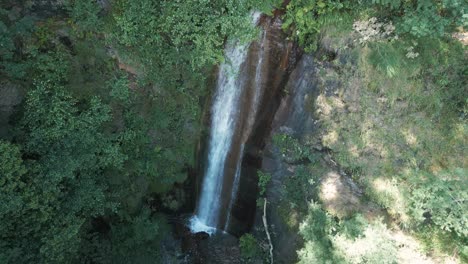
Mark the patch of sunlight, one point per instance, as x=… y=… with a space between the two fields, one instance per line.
x=391 y=71
x=309 y=253
x=330 y=138
x=379 y=244
x=461 y=131
x=329 y=189
x=323 y=107
x=407 y=170
x=382 y=100
x=409 y=249
x=336 y=102
x=435 y=168
x=337 y=197
x=372 y=139
x=389 y=195
x=410 y=138
x=293 y=219
x=353 y=150
x=382 y=185
x=374 y=246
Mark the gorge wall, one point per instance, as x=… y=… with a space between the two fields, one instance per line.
x=262 y=75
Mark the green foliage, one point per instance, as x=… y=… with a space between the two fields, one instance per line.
x=354 y=227
x=441 y=199
x=14 y=31
x=292 y=149
x=53 y=67
x=120 y=90
x=374 y=246
x=315 y=230
x=188 y=35
x=135 y=239
x=177 y=127
x=263 y=180
x=92 y=143
x=427 y=18
x=66 y=154
x=12 y=185
x=436 y=239
x=300 y=187
x=158 y=158
x=85 y=13
x=403 y=143
x=55 y=126
x=306 y=17
x=389 y=58
x=249 y=248
x=390 y=3
x=424 y=18
x=424 y=22
x=413 y=19
x=71 y=158
x=129 y=239
x=443 y=101
x=267 y=7
x=348 y=241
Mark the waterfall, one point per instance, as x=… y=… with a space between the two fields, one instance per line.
x=250 y=121
x=224 y=118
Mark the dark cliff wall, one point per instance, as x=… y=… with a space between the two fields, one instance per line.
x=276 y=57
x=295 y=118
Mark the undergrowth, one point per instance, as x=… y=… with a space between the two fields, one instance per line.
x=396 y=124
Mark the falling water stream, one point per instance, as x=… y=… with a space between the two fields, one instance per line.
x=225 y=114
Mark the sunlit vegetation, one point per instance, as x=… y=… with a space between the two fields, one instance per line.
x=112 y=96
x=396 y=124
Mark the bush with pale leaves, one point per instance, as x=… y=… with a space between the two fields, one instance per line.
x=372 y=30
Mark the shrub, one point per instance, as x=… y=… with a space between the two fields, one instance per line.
x=263 y=180
x=249 y=247
x=441 y=199
x=375 y=246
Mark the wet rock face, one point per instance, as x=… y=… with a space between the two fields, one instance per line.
x=10 y=97
x=293 y=117
x=46 y=8
x=200 y=248
x=263 y=76
x=295 y=114
x=270 y=61
x=223 y=248
x=266 y=71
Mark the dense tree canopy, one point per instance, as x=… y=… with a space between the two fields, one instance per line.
x=112 y=112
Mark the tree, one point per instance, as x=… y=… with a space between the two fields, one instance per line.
x=186 y=35
x=65 y=154
x=12 y=51
x=426 y=18
x=441 y=200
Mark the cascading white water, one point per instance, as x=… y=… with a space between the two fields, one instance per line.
x=224 y=117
